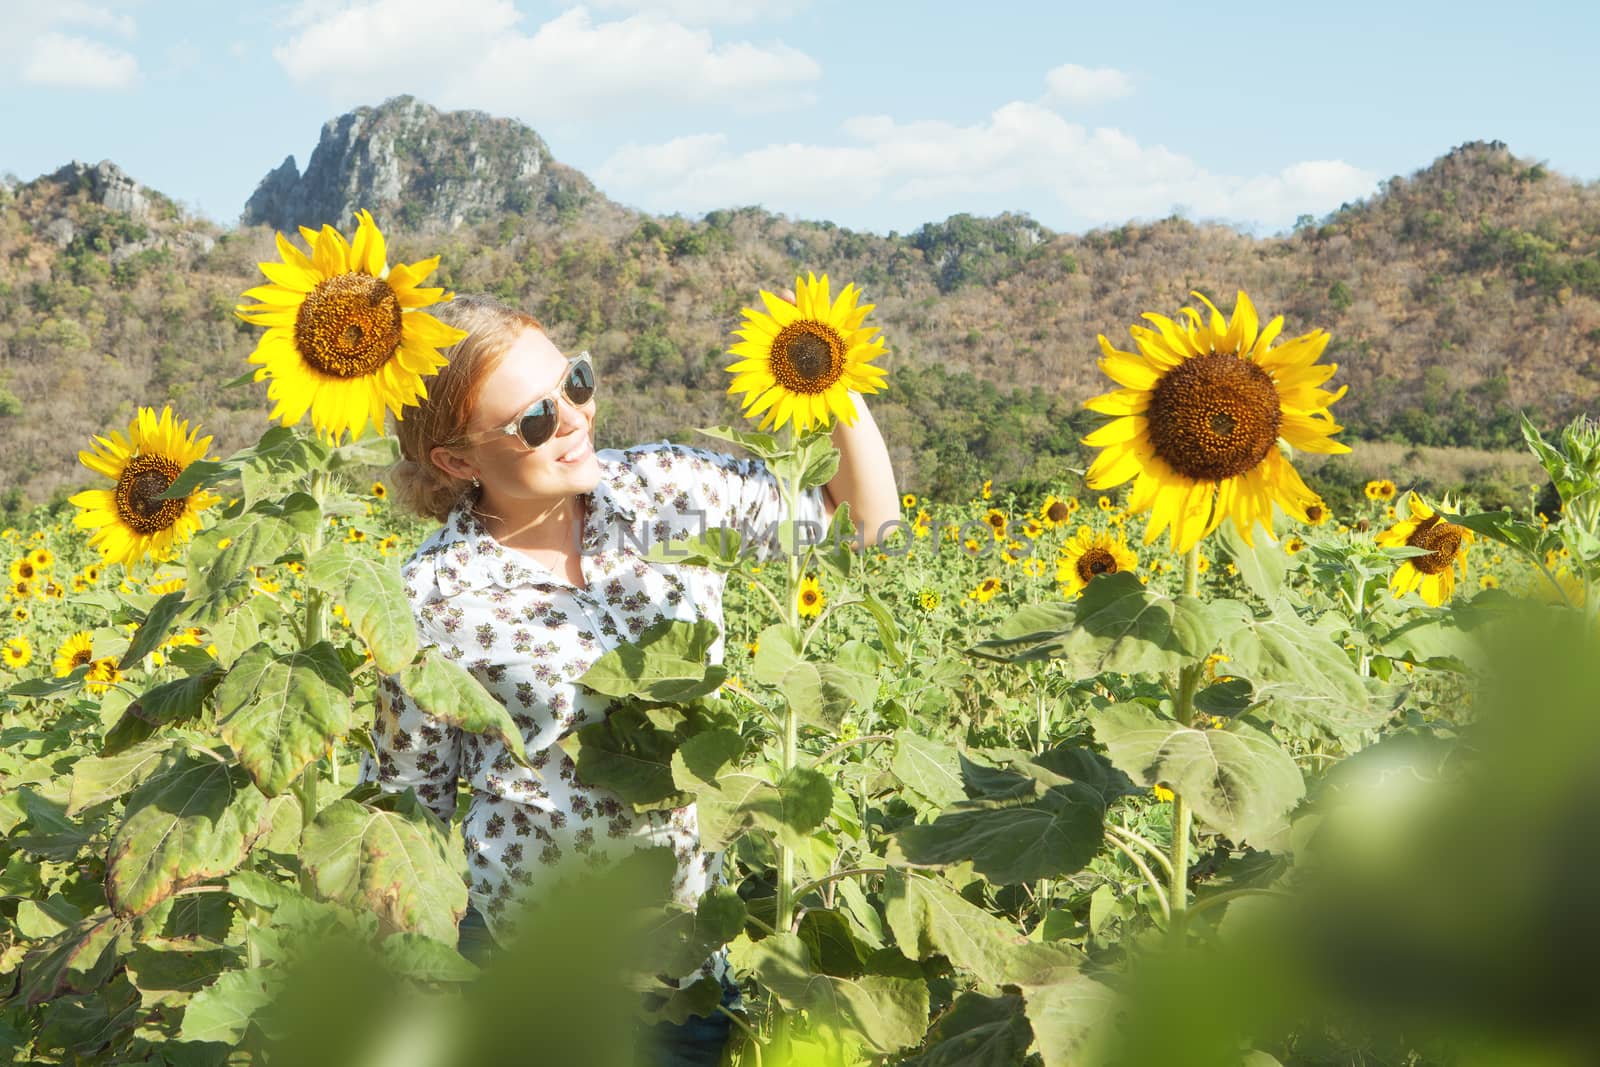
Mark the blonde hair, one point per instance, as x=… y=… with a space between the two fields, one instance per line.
x=492 y=327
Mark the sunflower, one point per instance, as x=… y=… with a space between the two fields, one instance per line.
x=379 y=490
x=23 y=570
x=346 y=336
x=996 y=521
x=21 y=589
x=167 y=585
x=1034 y=567
x=42 y=558
x=810 y=598
x=985 y=590
x=389 y=544
x=17 y=652
x=131 y=520
x=1488 y=581
x=800 y=361
x=20 y=614
x=928 y=600
x=1031 y=529
x=74 y=652
x=1198 y=421
x=1381 y=489
x=1446 y=545
x=1012 y=552
x=987 y=489
x=1056 y=512
x=1317 y=513
x=103 y=675
x=1294 y=545
x=91 y=573
x=922 y=524
x=908 y=501
x=1089 y=555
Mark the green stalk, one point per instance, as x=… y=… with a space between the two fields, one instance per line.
x=311 y=632
x=1188 y=681
x=791 y=726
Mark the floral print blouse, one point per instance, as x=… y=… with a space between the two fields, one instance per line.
x=526 y=633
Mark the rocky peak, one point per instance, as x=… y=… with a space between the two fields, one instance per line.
x=413 y=165
x=106 y=184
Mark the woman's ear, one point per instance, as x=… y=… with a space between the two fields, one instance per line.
x=451 y=463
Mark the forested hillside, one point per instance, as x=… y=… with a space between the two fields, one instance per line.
x=1455 y=297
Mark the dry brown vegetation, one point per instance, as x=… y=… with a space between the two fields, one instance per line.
x=1454 y=298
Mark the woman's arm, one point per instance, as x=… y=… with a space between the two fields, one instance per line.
x=865 y=477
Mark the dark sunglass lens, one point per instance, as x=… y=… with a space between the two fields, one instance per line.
x=538 y=425
x=580 y=383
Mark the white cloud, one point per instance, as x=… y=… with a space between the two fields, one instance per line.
x=700 y=12
x=44 y=44
x=473 y=54
x=1072 y=84
x=886 y=173
x=57 y=60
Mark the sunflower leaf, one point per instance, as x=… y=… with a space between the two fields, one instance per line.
x=397 y=864
x=760 y=444
x=1262 y=567
x=448 y=692
x=667 y=664
x=156 y=628
x=279 y=713
x=884 y=1014
x=977 y=1031
x=100 y=778
x=201 y=474
x=1239 y=780
x=374 y=600
x=194 y=819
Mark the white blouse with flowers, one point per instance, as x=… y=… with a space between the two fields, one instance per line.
x=527 y=633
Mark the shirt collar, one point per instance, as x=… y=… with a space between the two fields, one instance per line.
x=466 y=555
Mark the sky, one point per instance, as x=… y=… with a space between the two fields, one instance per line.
x=877 y=116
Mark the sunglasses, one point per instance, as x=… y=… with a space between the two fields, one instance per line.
x=539 y=420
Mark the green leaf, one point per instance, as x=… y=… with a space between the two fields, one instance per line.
x=100 y=778
x=79 y=959
x=279 y=713
x=760 y=444
x=200 y=474
x=977 y=1031
x=749 y=798
x=221 y=1011
x=374 y=600
x=367 y=452
x=167 y=976
x=423 y=959
x=930 y=919
x=220 y=578
x=1238 y=780
x=888 y=628
x=46 y=688
x=698 y=761
x=1034 y=821
x=239 y=628
x=820 y=468
x=687 y=938
x=821 y=693
x=1070 y=1019
x=1118 y=626
x=884 y=1014
x=1262 y=566
x=930 y=769
x=628 y=754
x=666 y=665
x=448 y=692
x=194 y=819
x=169 y=702
x=156 y=628
x=1280 y=648
x=717 y=547
x=400 y=867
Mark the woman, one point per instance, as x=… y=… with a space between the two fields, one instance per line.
x=535 y=574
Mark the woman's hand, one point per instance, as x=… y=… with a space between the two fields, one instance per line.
x=865 y=477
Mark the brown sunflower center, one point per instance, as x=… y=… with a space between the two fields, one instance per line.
x=808 y=597
x=25 y=570
x=1058 y=512
x=348 y=326
x=80 y=657
x=1214 y=416
x=807 y=357
x=1314 y=513
x=1441 y=539
x=138 y=493
x=1096 y=561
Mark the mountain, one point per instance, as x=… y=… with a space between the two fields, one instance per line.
x=428 y=169
x=1455 y=297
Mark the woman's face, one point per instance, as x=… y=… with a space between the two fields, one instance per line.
x=515 y=479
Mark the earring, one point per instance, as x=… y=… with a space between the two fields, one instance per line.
x=476 y=484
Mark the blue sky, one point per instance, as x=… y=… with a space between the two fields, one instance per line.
x=877 y=116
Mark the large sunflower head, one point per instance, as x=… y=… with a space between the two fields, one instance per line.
x=800 y=360
x=346 y=337
x=1088 y=555
x=131 y=520
x=23 y=570
x=74 y=652
x=1203 y=405
x=1433 y=575
x=1055 y=512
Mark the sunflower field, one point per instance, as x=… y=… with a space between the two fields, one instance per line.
x=1169 y=765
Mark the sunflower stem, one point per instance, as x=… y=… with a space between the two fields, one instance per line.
x=1188 y=681
x=312 y=632
x=791 y=726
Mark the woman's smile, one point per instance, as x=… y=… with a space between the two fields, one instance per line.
x=577 y=452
